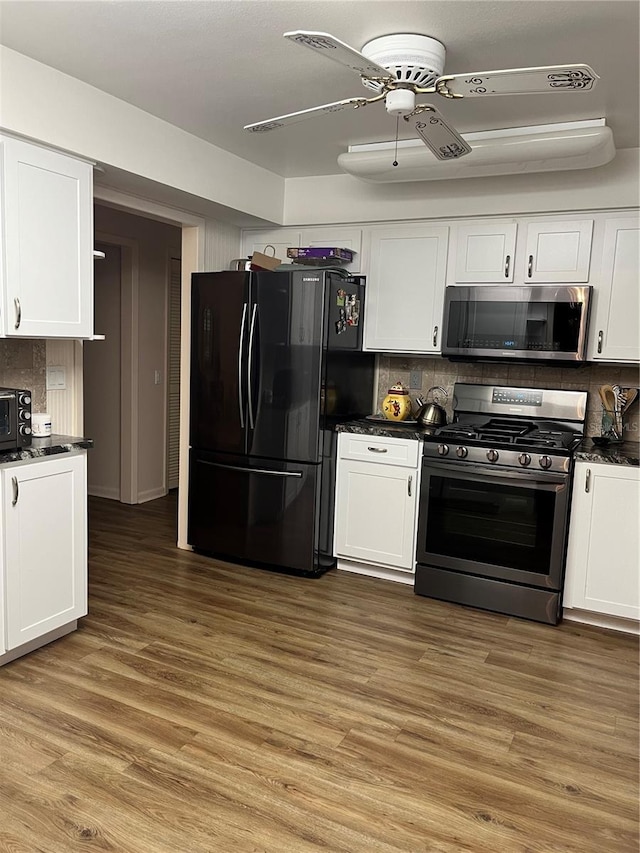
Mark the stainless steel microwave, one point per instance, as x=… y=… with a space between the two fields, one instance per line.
x=532 y=323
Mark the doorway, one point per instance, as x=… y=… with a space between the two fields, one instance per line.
x=131 y=408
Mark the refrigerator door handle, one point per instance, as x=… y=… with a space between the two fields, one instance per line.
x=250 y=377
x=240 y=346
x=297 y=474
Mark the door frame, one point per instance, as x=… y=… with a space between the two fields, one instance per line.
x=192 y=256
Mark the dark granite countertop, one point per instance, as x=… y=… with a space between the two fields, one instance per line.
x=624 y=453
x=48 y=446
x=385 y=429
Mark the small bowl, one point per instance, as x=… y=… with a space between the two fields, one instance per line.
x=600 y=440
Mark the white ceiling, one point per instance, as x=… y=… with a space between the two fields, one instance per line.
x=212 y=67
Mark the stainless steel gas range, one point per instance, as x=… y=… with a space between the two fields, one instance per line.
x=494 y=500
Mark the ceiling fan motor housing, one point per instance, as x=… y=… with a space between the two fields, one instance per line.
x=411 y=58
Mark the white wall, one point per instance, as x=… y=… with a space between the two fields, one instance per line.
x=342 y=198
x=45 y=105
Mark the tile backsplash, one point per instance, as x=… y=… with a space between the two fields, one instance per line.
x=440 y=371
x=23 y=364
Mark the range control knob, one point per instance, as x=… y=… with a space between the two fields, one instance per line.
x=524 y=459
x=443 y=449
x=23 y=429
x=24 y=415
x=492 y=455
x=24 y=400
x=545 y=462
x=461 y=452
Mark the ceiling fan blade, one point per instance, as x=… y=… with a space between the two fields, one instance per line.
x=445 y=142
x=301 y=115
x=327 y=45
x=518 y=81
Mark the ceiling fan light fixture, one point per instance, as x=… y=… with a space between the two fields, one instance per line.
x=400 y=102
x=509 y=151
x=409 y=57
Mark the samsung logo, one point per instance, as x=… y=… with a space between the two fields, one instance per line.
x=304 y=278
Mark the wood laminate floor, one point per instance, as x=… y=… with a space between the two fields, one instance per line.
x=206 y=707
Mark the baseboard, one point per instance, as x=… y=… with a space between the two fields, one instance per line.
x=112 y=494
x=601 y=620
x=32 y=645
x=382 y=572
x=151 y=495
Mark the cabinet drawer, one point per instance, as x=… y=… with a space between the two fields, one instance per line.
x=385 y=451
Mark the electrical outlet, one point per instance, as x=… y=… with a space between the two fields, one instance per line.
x=415 y=379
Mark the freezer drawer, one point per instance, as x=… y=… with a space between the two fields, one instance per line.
x=254 y=510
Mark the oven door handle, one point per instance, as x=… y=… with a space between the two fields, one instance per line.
x=484 y=472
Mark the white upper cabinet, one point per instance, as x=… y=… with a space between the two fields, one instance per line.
x=47 y=243
x=557 y=251
x=275 y=241
x=615 y=319
x=485 y=252
x=405 y=288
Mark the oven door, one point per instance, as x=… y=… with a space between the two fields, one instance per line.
x=8 y=438
x=505 y=525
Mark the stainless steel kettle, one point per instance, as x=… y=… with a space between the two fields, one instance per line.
x=431 y=412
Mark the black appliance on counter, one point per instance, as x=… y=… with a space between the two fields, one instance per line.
x=540 y=323
x=276 y=362
x=15 y=418
x=494 y=500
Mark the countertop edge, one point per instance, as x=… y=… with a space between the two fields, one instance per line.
x=49 y=446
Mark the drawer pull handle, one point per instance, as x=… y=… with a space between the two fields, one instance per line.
x=377 y=449
x=587 y=481
x=410 y=480
x=16 y=490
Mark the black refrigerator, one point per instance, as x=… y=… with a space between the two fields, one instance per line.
x=276 y=363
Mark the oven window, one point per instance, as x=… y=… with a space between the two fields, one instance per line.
x=491 y=523
x=5 y=418
x=534 y=326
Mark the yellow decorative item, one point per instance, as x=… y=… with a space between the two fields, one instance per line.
x=396 y=406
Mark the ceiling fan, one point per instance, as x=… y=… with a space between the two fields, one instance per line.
x=399 y=67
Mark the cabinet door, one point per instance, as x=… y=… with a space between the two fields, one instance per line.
x=280 y=239
x=45 y=546
x=375 y=513
x=615 y=324
x=558 y=251
x=485 y=252
x=336 y=237
x=405 y=288
x=48 y=243
x=604 y=543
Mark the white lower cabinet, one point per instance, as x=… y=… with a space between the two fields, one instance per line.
x=603 y=557
x=44 y=549
x=376 y=505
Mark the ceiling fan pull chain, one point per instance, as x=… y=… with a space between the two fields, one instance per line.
x=395 y=160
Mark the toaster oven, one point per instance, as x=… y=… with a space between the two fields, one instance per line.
x=15 y=418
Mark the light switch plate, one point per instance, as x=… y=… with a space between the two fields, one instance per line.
x=56 y=378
